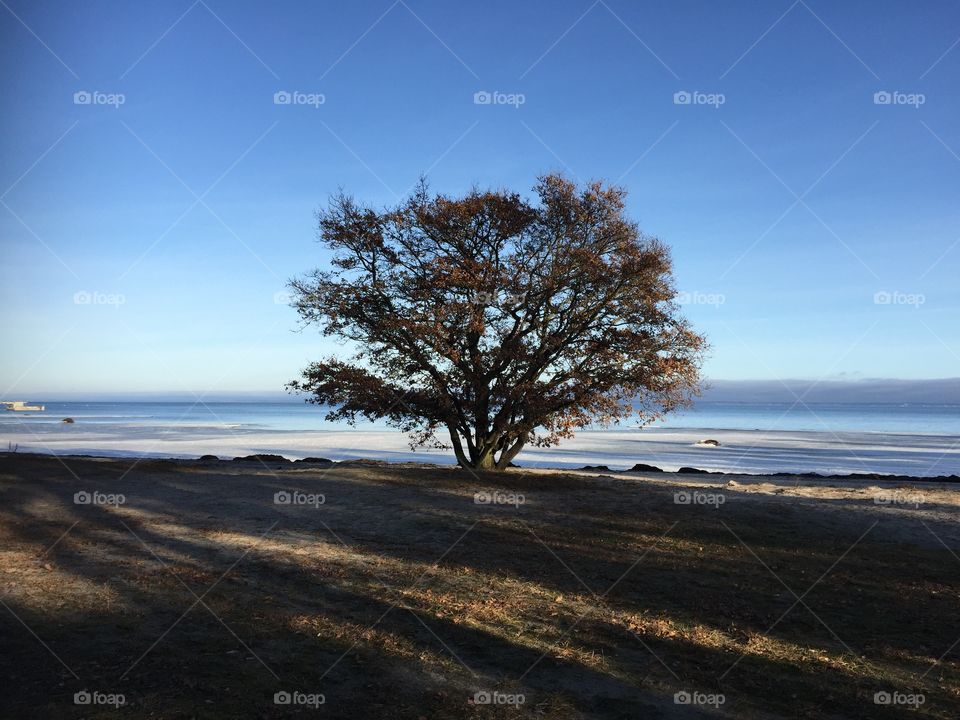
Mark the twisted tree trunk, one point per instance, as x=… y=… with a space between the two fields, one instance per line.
x=495 y=452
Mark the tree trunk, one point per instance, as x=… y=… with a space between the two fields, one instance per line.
x=509 y=453
x=485 y=462
x=483 y=454
x=462 y=460
x=484 y=457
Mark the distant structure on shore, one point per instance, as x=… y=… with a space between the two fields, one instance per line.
x=20 y=406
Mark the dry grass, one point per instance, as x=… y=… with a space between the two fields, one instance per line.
x=400 y=597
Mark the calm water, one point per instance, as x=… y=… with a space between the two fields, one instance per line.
x=830 y=417
x=921 y=440
x=294 y=416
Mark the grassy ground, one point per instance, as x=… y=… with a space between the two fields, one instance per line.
x=401 y=597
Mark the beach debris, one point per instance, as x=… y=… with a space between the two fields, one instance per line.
x=710 y=442
x=69 y=421
x=261 y=457
x=642 y=467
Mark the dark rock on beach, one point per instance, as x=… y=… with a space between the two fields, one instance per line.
x=69 y=421
x=261 y=457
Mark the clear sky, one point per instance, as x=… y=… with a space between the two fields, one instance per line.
x=815 y=225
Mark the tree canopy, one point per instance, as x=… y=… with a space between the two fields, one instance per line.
x=489 y=322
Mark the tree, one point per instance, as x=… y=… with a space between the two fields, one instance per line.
x=497 y=322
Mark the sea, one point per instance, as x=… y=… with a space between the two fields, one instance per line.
x=921 y=440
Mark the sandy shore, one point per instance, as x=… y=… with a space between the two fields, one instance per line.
x=202 y=589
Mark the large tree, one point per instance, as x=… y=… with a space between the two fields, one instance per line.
x=489 y=322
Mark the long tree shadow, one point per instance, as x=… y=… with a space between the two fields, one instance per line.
x=400 y=576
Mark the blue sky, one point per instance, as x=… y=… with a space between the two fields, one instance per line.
x=814 y=227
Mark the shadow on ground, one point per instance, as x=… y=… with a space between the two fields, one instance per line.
x=399 y=596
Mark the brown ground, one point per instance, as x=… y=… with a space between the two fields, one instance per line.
x=400 y=597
